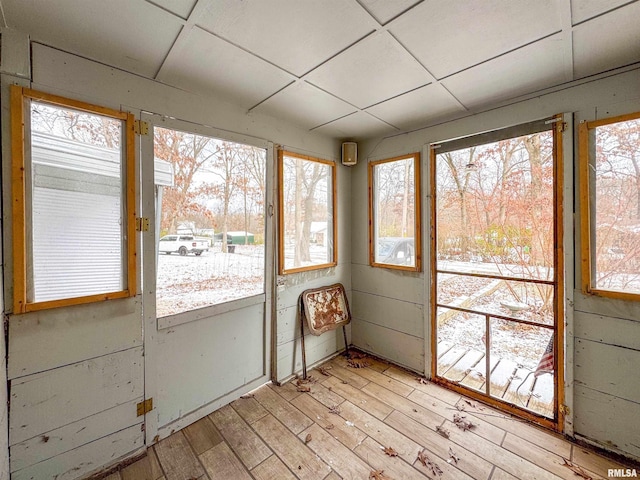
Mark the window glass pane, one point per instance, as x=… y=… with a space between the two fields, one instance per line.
x=307 y=233
x=75 y=204
x=616 y=249
x=394 y=212
x=211 y=243
x=494 y=208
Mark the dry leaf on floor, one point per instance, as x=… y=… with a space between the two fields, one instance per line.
x=335 y=409
x=325 y=370
x=462 y=423
x=357 y=363
x=426 y=461
x=357 y=355
x=248 y=395
x=390 y=451
x=422 y=380
x=344 y=382
x=378 y=475
x=303 y=388
x=329 y=427
x=460 y=407
x=453 y=458
x=307 y=438
x=443 y=431
x=576 y=469
x=470 y=403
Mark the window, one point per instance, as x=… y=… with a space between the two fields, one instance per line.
x=307 y=213
x=211 y=235
x=394 y=213
x=73 y=202
x=610 y=203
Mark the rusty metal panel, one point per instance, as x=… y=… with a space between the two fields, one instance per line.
x=326 y=308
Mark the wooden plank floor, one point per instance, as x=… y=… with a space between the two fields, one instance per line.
x=339 y=430
x=508 y=381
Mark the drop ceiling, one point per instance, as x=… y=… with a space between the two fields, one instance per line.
x=350 y=69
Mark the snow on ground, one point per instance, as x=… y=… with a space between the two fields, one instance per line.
x=520 y=343
x=190 y=282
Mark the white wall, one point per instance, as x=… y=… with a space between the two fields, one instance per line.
x=390 y=308
x=59 y=360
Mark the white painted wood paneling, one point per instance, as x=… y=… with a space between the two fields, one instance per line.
x=318 y=348
x=45 y=401
x=200 y=361
x=608 y=330
x=104 y=328
x=398 y=347
x=607 y=421
x=390 y=283
x=613 y=371
x=74 y=435
x=582 y=10
x=15 y=56
x=405 y=317
x=182 y=8
x=86 y=459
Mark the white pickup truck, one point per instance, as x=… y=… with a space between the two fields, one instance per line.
x=183 y=244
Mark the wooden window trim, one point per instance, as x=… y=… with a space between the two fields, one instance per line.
x=334 y=195
x=18 y=186
x=586 y=260
x=417 y=213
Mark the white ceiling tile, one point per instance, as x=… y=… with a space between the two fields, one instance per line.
x=582 y=10
x=526 y=70
x=371 y=71
x=296 y=35
x=208 y=65
x=418 y=107
x=448 y=37
x=132 y=35
x=358 y=126
x=306 y=105
x=607 y=42
x=385 y=10
x=182 y=8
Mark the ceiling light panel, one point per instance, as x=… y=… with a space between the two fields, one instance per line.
x=356 y=127
x=305 y=105
x=607 y=42
x=182 y=8
x=295 y=35
x=526 y=70
x=134 y=36
x=384 y=10
x=418 y=107
x=207 y=65
x=372 y=71
x=448 y=37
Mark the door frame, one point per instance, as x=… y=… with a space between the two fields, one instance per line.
x=148 y=267
x=563 y=301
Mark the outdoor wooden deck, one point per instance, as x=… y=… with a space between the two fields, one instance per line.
x=468 y=367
